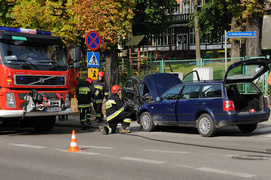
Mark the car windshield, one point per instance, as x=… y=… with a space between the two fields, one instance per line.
x=36 y=56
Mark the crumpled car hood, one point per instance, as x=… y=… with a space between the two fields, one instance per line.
x=159 y=83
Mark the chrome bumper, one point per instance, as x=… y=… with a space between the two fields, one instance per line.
x=19 y=113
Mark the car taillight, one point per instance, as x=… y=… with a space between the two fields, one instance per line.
x=228 y=106
x=266 y=102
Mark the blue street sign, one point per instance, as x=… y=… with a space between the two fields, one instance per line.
x=246 y=34
x=93 y=40
x=93 y=59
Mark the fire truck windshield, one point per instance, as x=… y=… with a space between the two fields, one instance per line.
x=33 y=56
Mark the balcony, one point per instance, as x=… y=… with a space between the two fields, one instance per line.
x=179 y=18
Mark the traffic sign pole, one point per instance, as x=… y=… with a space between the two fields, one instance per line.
x=93 y=42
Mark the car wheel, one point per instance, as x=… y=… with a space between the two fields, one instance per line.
x=247 y=128
x=147 y=122
x=206 y=126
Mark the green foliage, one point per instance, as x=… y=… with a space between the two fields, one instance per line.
x=5 y=12
x=111 y=18
x=217 y=16
x=152 y=16
x=50 y=15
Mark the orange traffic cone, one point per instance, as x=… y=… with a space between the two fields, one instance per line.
x=74 y=147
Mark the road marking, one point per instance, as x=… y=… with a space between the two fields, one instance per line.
x=87 y=153
x=219 y=171
x=28 y=146
x=142 y=160
x=268 y=136
x=161 y=151
x=97 y=147
x=184 y=166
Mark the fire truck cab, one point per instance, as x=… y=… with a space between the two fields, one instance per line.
x=35 y=81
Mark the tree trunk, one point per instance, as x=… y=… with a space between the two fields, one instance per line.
x=235 y=43
x=112 y=69
x=197 y=39
x=254 y=45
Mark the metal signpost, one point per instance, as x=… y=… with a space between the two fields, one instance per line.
x=93 y=42
x=246 y=34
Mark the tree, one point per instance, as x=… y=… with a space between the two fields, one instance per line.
x=111 y=19
x=197 y=36
x=50 y=15
x=152 y=17
x=72 y=19
x=235 y=15
x=5 y=12
x=254 y=15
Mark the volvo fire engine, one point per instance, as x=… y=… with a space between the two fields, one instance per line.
x=34 y=78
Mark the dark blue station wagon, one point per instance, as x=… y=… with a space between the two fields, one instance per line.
x=209 y=105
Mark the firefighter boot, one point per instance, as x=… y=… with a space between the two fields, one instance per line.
x=99 y=120
x=124 y=129
x=83 y=125
x=104 y=130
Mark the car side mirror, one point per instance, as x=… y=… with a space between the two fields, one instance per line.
x=76 y=65
x=158 y=99
x=77 y=54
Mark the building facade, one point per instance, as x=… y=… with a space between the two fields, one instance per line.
x=179 y=40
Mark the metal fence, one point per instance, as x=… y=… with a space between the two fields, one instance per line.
x=185 y=66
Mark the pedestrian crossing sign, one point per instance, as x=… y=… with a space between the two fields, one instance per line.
x=93 y=59
x=93 y=73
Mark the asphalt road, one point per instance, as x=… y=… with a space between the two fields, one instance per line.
x=167 y=153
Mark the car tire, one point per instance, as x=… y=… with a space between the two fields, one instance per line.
x=146 y=122
x=247 y=128
x=206 y=126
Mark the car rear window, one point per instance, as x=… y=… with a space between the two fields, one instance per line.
x=211 y=91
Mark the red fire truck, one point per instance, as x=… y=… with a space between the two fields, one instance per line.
x=35 y=78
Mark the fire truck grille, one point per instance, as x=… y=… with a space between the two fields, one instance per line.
x=28 y=80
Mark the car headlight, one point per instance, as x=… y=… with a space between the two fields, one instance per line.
x=10 y=100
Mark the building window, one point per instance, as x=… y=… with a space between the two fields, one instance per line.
x=192 y=36
x=186 y=7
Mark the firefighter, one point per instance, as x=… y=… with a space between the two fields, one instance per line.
x=97 y=100
x=116 y=113
x=83 y=95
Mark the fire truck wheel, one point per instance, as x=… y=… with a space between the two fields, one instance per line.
x=45 y=124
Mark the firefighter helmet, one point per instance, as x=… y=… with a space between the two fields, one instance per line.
x=101 y=73
x=115 y=89
x=89 y=80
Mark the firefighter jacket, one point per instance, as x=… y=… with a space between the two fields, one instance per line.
x=103 y=91
x=84 y=94
x=113 y=107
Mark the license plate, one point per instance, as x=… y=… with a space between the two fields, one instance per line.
x=53 y=109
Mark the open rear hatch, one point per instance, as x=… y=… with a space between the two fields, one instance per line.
x=246 y=71
x=240 y=87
